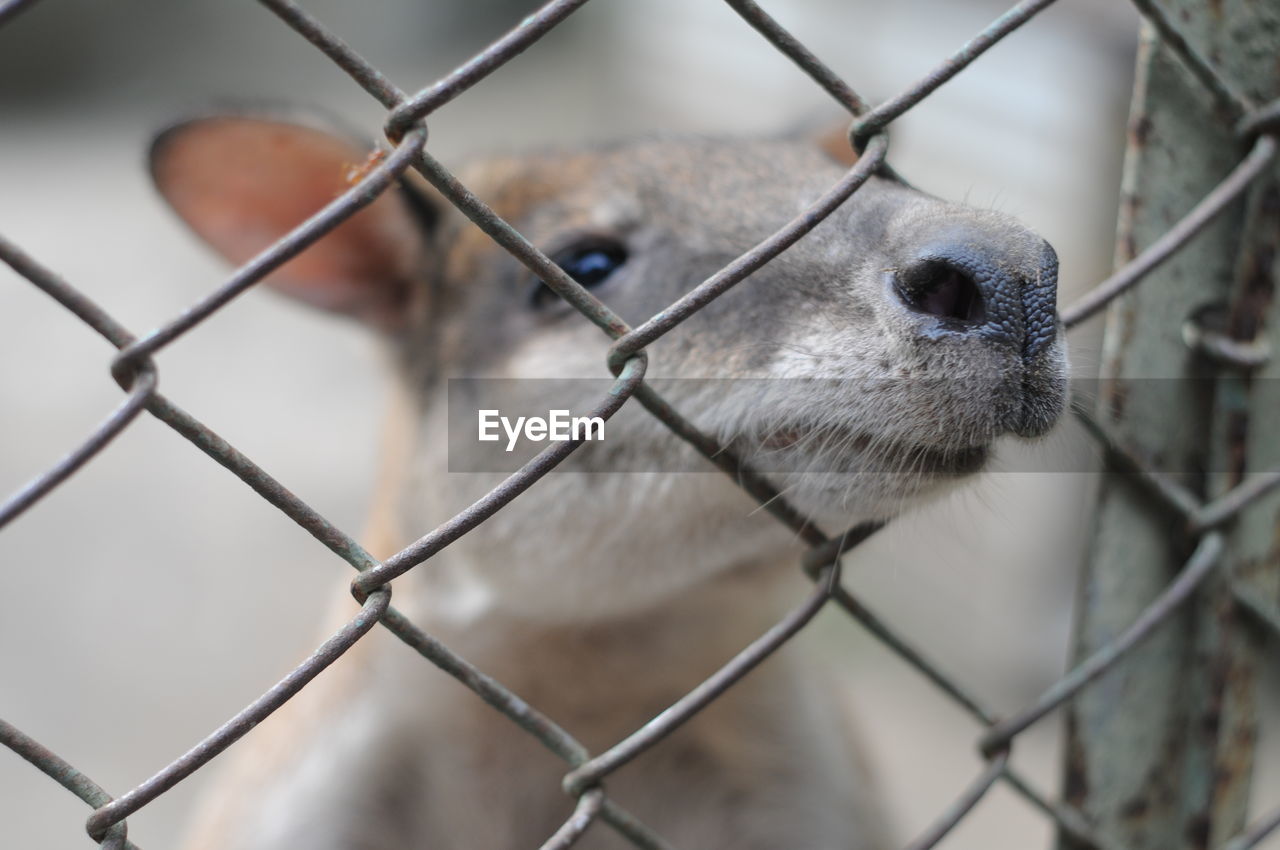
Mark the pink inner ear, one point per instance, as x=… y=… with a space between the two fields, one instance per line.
x=242 y=183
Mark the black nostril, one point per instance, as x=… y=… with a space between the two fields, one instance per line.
x=939 y=289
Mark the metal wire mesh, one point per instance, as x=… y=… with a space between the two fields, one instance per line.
x=406 y=128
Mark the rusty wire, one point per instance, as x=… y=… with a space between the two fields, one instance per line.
x=407 y=131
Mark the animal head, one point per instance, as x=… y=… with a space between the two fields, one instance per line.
x=873 y=363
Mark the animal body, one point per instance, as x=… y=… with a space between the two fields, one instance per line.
x=868 y=367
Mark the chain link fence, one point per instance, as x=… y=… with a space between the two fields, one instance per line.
x=1206 y=520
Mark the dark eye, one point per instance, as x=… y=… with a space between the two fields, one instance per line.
x=590 y=263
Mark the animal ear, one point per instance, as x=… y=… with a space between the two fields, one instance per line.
x=243 y=182
x=833 y=140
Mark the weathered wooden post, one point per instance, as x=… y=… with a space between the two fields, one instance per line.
x=1160 y=750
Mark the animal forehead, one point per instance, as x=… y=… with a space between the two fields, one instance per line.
x=650 y=175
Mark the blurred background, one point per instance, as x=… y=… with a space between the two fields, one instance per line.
x=153 y=595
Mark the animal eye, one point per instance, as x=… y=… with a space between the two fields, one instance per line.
x=590 y=263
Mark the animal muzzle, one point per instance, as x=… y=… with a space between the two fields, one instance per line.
x=988 y=285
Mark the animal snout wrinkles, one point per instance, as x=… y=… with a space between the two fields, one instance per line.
x=988 y=286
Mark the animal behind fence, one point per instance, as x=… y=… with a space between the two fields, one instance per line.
x=935 y=321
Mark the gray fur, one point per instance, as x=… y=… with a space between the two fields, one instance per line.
x=601 y=598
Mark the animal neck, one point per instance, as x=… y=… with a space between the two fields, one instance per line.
x=604 y=677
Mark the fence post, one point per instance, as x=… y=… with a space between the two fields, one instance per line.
x=1159 y=752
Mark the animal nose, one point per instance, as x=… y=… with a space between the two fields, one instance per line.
x=994 y=286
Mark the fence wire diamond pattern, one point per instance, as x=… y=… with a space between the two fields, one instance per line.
x=406 y=129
